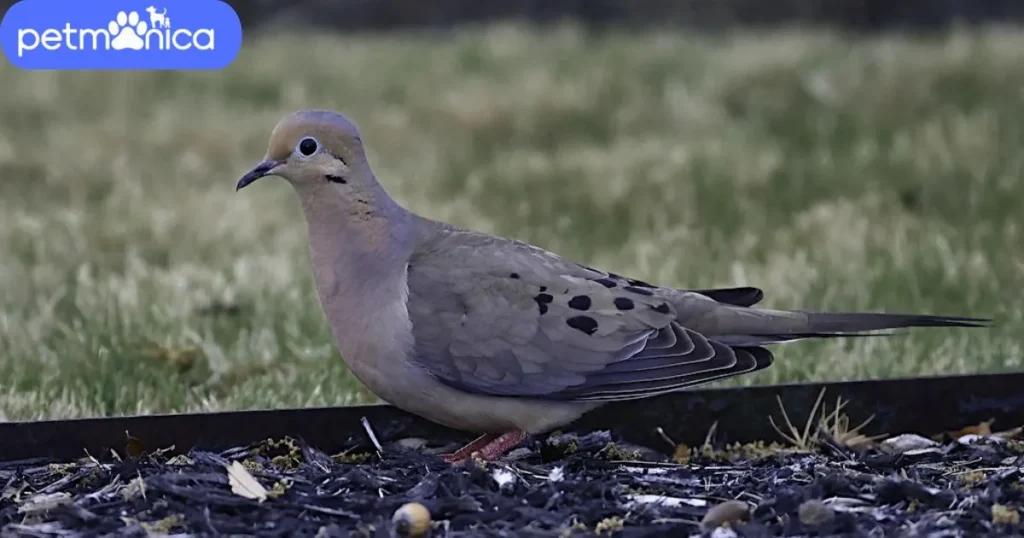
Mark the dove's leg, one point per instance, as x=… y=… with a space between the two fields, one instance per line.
x=505 y=442
x=465 y=452
x=488 y=446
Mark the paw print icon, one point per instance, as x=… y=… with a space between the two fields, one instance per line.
x=126 y=31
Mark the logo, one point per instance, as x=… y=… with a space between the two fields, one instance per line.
x=120 y=34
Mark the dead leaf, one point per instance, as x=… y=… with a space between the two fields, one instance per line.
x=133 y=446
x=983 y=429
x=244 y=484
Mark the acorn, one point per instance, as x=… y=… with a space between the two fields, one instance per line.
x=412 y=520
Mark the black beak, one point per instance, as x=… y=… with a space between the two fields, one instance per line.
x=262 y=169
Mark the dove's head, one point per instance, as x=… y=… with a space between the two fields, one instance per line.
x=313 y=148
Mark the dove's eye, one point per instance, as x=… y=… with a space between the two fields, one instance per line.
x=308 y=146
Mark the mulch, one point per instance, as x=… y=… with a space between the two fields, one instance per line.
x=558 y=485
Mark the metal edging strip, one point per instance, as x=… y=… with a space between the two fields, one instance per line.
x=923 y=405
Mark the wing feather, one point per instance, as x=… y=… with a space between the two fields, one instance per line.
x=504 y=318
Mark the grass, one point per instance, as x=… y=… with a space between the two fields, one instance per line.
x=881 y=174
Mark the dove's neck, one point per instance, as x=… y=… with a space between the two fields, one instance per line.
x=360 y=248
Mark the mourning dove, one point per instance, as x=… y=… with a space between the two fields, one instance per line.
x=498 y=337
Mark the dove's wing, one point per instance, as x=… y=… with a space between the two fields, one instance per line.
x=500 y=317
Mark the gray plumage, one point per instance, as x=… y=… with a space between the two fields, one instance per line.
x=494 y=316
x=493 y=335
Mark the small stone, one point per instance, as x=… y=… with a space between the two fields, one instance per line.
x=412 y=520
x=329 y=531
x=505 y=479
x=815 y=513
x=725 y=513
x=973 y=438
x=906 y=442
x=412 y=443
x=723 y=532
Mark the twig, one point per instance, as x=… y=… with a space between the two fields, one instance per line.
x=802 y=440
x=373 y=436
x=663 y=435
x=709 y=438
x=827 y=440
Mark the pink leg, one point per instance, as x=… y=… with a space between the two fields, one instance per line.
x=467 y=451
x=505 y=442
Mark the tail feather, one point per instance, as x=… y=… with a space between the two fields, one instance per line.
x=757 y=327
x=856 y=322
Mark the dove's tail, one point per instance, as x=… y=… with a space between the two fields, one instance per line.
x=776 y=327
x=840 y=322
x=737 y=324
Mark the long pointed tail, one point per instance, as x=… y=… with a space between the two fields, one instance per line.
x=856 y=322
x=752 y=327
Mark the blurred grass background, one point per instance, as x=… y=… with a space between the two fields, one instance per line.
x=877 y=173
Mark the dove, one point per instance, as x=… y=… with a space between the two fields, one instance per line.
x=497 y=337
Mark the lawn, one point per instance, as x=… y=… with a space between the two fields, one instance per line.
x=870 y=174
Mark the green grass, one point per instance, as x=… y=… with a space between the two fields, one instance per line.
x=881 y=174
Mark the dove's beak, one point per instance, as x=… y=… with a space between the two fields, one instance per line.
x=265 y=168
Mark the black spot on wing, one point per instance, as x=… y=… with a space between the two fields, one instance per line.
x=514 y=275
x=579 y=302
x=662 y=308
x=543 y=299
x=608 y=283
x=638 y=291
x=624 y=303
x=585 y=324
x=638 y=283
x=744 y=296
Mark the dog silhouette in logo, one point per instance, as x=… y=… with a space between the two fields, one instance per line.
x=158 y=20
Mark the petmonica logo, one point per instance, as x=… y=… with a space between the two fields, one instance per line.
x=120 y=34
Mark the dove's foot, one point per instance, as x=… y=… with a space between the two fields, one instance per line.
x=505 y=442
x=467 y=451
x=488 y=447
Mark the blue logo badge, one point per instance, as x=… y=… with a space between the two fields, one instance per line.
x=120 y=34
